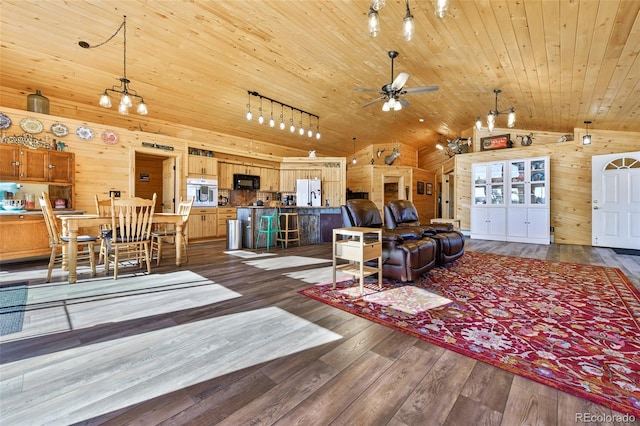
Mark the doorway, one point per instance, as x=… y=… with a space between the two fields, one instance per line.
x=156 y=173
x=615 y=200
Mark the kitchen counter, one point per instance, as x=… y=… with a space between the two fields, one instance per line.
x=315 y=223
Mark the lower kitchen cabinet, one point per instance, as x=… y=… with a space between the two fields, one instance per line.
x=24 y=236
x=224 y=214
x=202 y=223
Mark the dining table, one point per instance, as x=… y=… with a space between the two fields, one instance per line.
x=71 y=225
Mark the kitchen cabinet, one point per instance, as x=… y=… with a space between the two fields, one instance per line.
x=288 y=180
x=36 y=165
x=269 y=179
x=225 y=175
x=224 y=214
x=24 y=236
x=202 y=167
x=203 y=223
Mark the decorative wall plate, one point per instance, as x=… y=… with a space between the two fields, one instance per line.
x=5 y=121
x=59 y=129
x=84 y=133
x=31 y=125
x=109 y=137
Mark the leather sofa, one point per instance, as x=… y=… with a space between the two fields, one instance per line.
x=402 y=214
x=406 y=252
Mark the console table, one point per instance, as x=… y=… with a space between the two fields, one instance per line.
x=357 y=245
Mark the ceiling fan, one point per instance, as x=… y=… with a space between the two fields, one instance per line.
x=392 y=93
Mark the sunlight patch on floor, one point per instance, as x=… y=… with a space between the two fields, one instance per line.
x=60 y=307
x=318 y=275
x=248 y=254
x=283 y=262
x=77 y=384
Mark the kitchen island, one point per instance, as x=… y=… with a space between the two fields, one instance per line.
x=316 y=224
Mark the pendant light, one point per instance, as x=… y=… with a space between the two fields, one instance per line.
x=407 y=27
x=249 y=115
x=354 y=161
x=272 y=122
x=494 y=113
x=586 y=139
x=127 y=94
x=442 y=8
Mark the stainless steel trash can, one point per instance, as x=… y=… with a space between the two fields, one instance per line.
x=234 y=234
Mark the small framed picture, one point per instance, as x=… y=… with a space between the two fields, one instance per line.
x=496 y=142
x=429 y=189
x=420 y=187
x=144 y=177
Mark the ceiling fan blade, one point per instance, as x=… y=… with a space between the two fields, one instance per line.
x=373 y=101
x=403 y=102
x=421 y=89
x=361 y=89
x=400 y=81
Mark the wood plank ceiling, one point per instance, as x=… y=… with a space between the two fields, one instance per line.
x=558 y=63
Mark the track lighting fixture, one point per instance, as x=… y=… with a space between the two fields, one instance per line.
x=491 y=116
x=282 y=125
x=127 y=94
x=586 y=139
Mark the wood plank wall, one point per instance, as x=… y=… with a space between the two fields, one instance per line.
x=101 y=167
x=570 y=189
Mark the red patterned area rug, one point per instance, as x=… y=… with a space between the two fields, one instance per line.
x=570 y=326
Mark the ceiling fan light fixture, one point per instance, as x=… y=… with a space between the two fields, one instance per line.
x=386 y=107
x=397 y=106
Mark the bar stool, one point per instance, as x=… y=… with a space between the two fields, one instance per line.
x=268 y=227
x=289 y=231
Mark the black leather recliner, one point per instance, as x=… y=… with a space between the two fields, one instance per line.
x=401 y=214
x=406 y=252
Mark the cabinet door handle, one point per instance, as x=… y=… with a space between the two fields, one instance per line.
x=51 y=166
x=15 y=163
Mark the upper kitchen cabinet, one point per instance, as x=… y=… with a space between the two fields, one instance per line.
x=225 y=175
x=36 y=165
x=269 y=179
x=201 y=166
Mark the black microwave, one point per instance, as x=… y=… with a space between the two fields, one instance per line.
x=246 y=182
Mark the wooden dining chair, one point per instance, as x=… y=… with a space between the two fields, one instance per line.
x=169 y=231
x=130 y=235
x=57 y=241
x=103 y=209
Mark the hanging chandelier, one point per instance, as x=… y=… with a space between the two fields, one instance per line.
x=292 y=128
x=493 y=114
x=127 y=95
x=373 y=18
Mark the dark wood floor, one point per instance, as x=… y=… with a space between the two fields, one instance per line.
x=372 y=375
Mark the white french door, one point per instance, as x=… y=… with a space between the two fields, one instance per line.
x=615 y=200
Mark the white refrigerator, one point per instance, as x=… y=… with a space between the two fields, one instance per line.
x=308 y=192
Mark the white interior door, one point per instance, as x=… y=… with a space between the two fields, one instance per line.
x=615 y=200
